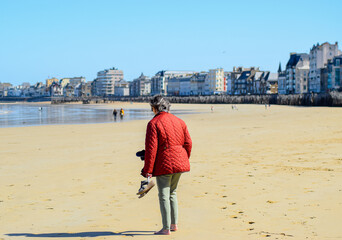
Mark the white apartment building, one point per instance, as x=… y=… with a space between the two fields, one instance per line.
x=319 y=56
x=159 y=82
x=191 y=85
x=302 y=74
x=121 y=88
x=105 y=81
x=215 y=81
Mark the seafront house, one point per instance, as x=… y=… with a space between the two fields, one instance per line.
x=64 y=81
x=4 y=89
x=215 y=82
x=77 y=80
x=56 y=90
x=173 y=86
x=197 y=82
x=295 y=69
x=240 y=85
x=236 y=86
x=69 y=90
x=86 y=89
x=188 y=85
x=272 y=83
x=140 y=86
x=257 y=83
x=229 y=81
x=232 y=78
x=160 y=81
x=121 y=88
x=302 y=75
x=248 y=81
x=104 y=84
x=319 y=57
x=49 y=81
x=181 y=86
x=281 y=81
x=333 y=74
x=14 y=92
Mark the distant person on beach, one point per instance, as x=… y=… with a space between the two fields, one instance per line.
x=212 y=108
x=115 y=113
x=167 y=151
x=122 y=113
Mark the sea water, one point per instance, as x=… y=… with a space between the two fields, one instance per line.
x=21 y=115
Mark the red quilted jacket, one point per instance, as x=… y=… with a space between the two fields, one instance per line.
x=167 y=145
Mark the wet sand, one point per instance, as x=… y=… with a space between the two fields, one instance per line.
x=255 y=174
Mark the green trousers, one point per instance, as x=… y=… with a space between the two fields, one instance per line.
x=167 y=185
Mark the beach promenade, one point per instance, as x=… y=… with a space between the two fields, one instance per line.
x=256 y=173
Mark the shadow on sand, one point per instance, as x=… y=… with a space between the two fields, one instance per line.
x=82 y=234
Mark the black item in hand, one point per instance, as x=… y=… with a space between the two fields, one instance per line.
x=141 y=154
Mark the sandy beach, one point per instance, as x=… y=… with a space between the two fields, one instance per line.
x=255 y=174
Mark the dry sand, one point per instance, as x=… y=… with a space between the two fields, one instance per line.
x=255 y=174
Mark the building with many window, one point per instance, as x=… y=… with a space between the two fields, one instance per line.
x=297 y=62
x=333 y=74
x=140 y=86
x=104 y=84
x=159 y=82
x=215 y=82
x=319 y=57
x=121 y=88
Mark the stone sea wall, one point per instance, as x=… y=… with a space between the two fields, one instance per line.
x=333 y=99
x=313 y=99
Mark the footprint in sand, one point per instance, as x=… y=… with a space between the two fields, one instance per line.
x=270 y=201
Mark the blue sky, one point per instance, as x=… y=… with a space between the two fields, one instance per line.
x=47 y=38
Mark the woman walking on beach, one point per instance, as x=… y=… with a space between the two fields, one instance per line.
x=168 y=147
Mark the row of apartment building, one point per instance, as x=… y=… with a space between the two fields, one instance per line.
x=76 y=86
x=317 y=71
x=110 y=82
